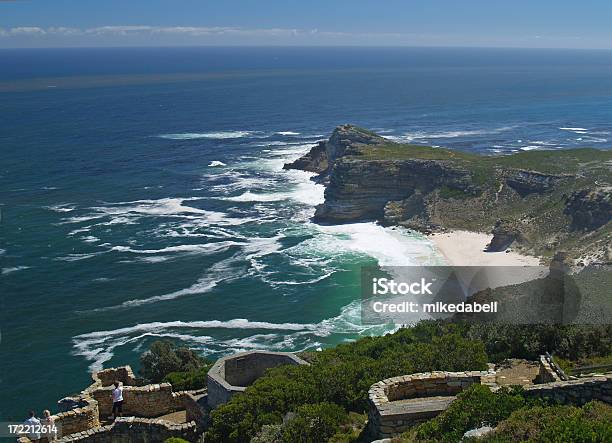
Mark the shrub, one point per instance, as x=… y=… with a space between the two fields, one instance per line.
x=314 y=423
x=476 y=406
x=571 y=342
x=185 y=381
x=165 y=357
x=591 y=423
x=175 y=440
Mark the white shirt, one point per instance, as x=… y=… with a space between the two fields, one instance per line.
x=33 y=421
x=117 y=394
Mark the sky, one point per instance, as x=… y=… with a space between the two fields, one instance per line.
x=471 y=23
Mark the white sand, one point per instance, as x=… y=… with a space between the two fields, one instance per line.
x=463 y=248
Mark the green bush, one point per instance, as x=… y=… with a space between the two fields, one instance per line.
x=476 y=406
x=570 y=342
x=591 y=423
x=314 y=423
x=185 y=381
x=164 y=357
x=175 y=440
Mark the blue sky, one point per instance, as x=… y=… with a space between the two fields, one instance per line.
x=514 y=23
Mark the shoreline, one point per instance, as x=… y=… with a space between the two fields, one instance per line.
x=466 y=248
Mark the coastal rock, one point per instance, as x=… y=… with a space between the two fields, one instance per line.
x=410 y=213
x=589 y=209
x=360 y=190
x=314 y=161
x=527 y=182
x=344 y=139
x=504 y=234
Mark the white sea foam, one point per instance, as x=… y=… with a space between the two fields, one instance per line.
x=287 y=133
x=389 y=246
x=90 y=239
x=421 y=135
x=221 y=135
x=216 y=163
x=6 y=271
x=574 y=129
x=249 y=196
x=129 y=212
x=63 y=207
x=98 y=346
x=594 y=140
x=207 y=248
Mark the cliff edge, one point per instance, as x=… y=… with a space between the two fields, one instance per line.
x=537 y=202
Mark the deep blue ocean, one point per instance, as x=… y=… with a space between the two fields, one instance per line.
x=142 y=193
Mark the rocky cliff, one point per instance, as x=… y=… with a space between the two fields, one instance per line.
x=538 y=201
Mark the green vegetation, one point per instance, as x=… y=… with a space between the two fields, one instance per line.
x=180 y=364
x=591 y=423
x=477 y=406
x=515 y=418
x=175 y=440
x=572 y=342
x=597 y=363
x=188 y=380
x=343 y=376
x=567 y=161
x=327 y=400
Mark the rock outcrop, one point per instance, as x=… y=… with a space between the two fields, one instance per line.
x=504 y=235
x=590 y=209
x=527 y=182
x=522 y=199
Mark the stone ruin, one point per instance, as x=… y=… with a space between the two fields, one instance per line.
x=148 y=408
x=234 y=373
x=396 y=404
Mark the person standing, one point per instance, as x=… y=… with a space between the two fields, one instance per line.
x=32 y=426
x=117 y=396
x=48 y=424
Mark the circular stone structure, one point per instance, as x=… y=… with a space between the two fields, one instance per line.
x=398 y=403
x=235 y=373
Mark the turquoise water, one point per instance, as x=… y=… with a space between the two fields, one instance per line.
x=138 y=202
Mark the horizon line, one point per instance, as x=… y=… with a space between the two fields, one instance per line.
x=356 y=46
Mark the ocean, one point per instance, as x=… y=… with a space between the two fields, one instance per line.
x=142 y=194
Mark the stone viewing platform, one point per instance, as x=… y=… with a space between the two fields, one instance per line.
x=145 y=408
x=155 y=412
x=234 y=373
x=396 y=404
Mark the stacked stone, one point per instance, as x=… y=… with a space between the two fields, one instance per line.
x=577 y=392
x=135 y=429
x=389 y=416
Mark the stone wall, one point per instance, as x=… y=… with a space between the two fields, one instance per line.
x=135 y=430
x=124 y=374
x=232 y=374
x=140 y=401
x=576 y=392
x=388 y=417
x=549 y=371
x=196 y=408
x=79 y=419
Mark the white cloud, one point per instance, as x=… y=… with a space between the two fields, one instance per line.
x=27 y=30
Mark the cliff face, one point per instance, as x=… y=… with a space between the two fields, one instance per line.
x=361 y=190
x=538 y=201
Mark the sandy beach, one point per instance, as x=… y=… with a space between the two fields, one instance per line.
x=464 y=248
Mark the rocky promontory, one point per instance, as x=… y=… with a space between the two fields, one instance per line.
x=537 y=202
